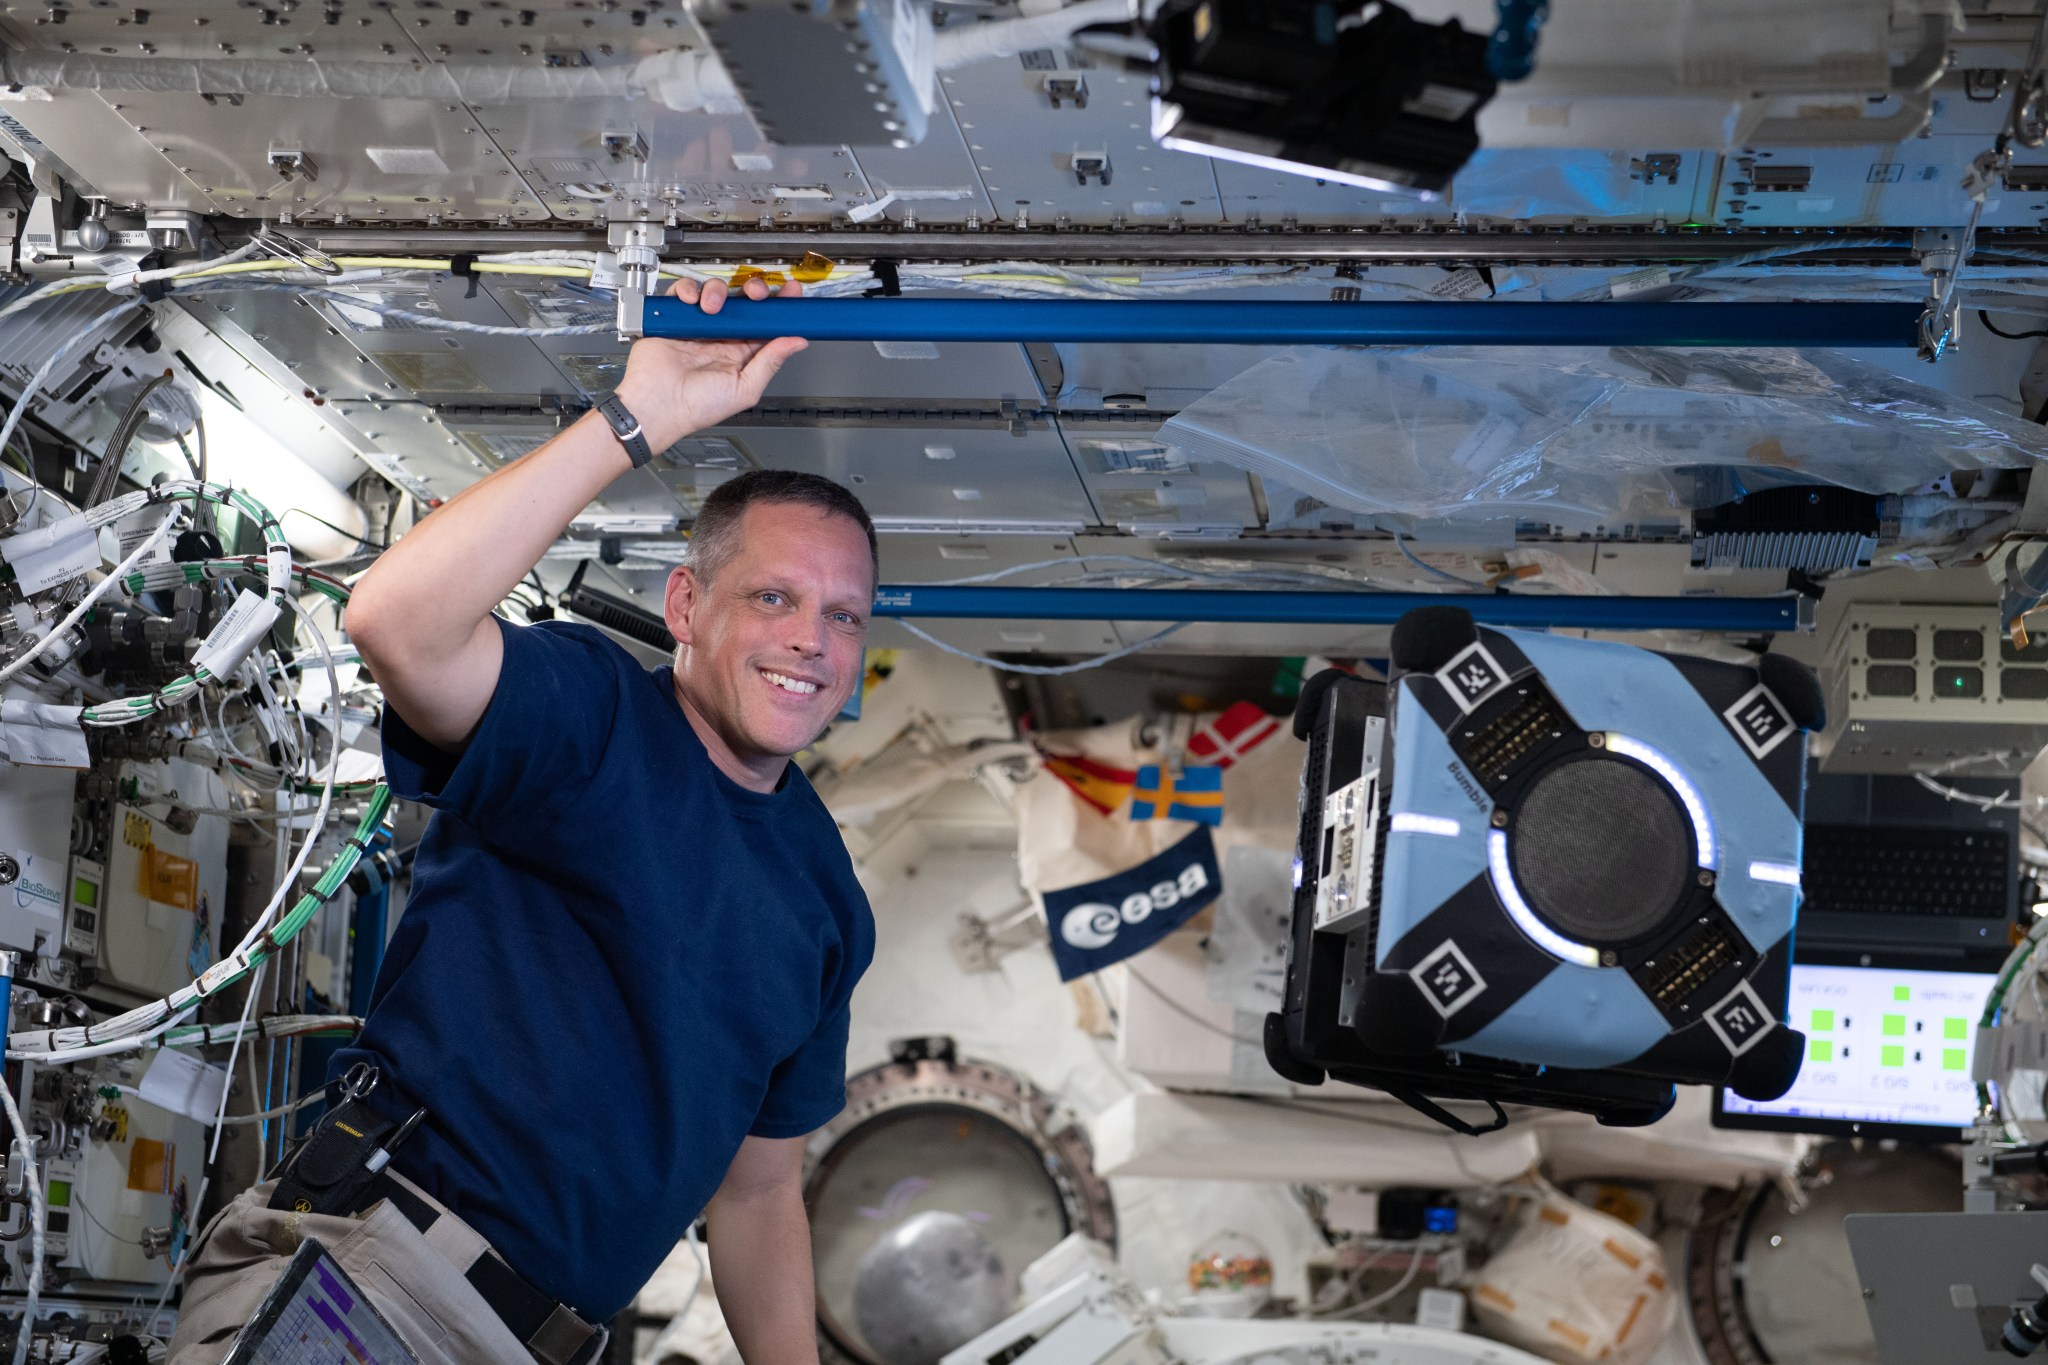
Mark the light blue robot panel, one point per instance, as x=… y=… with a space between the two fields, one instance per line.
x=1577 y=1017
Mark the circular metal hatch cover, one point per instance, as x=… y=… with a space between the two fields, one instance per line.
x=928 y=1132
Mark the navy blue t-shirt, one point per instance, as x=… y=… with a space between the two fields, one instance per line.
x=616 y=963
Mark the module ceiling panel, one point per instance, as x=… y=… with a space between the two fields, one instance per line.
x=1048 y=133
x=935 y=476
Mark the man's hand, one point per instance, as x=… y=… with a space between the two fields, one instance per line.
x=677 y=387
x=761 y=1254
x=422 y=615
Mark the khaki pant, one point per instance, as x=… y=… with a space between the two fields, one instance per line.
x=414 y=1286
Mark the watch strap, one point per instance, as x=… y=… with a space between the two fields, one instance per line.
x=626 y=427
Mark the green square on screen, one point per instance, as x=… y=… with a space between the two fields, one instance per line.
x=1895 y=1026
x=1902 y=992
x=1823 y=1021
x=1952 y=1059
x=1894 y=1056
x=1820 y=1049
x=1955 y=1029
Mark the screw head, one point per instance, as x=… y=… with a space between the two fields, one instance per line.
x=1500 y=819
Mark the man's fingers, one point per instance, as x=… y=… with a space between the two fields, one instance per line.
x=713 y=297
x=755 y=288
x=791 y=289
x=684 y=289
x=756 y=374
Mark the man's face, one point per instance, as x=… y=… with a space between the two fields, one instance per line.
x=775 y=643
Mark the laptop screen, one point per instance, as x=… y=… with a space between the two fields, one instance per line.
x=1888 y=1053
x=315 y=1315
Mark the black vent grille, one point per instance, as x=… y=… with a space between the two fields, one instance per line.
x=1691 y=963
x=1532 y=722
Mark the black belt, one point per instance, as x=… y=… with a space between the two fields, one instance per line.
x=551 y=1331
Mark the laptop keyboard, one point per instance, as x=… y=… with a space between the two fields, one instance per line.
x=1908 y=870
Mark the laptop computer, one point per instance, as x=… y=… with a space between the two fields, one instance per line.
x=1890 y=1041
x=1891 y=864
x=315 y=1315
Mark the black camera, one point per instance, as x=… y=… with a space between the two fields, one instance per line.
x=1371 y=97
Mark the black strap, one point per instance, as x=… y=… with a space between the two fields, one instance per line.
x=626 y=427
x=525 y=1311
x=1429 y=1108
x=888 y=281
x=462 y=265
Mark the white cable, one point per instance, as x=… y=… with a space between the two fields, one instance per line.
x=1401 y=544
x=281 y=1111
x=130 y=1042
x=76 y=1043
x=1407 y=1278
x=1984 y=803
x=432 y=322
x=100 y=590
x=220 y=1114
x=962 y=44
x=39 y=1215
x=1042 y=670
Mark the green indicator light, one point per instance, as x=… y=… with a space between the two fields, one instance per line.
x=1820 y=1050
x=1895 y=1026
x=1823 y=1021
x=1902 y=992
x=1894 y=1056
x=1952 y=1059
x=1956 y=1030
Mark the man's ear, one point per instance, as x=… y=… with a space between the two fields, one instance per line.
x=679 y=602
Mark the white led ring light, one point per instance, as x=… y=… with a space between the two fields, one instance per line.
x=1688 y=795
x=1545 y=937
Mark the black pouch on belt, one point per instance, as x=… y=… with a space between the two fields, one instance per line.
x=332 y=1170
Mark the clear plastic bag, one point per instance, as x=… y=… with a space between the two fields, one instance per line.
x=1586 y=437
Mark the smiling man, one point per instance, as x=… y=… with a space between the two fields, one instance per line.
x=618 y=995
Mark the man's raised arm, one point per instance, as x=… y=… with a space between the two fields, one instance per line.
x=421 y=616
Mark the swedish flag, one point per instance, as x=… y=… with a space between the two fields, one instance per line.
x=1193 y=793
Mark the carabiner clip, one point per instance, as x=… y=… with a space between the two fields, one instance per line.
x=360 y=1081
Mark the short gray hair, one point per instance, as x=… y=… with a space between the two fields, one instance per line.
x=714 y=540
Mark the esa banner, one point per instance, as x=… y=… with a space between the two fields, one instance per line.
x=1099 y=923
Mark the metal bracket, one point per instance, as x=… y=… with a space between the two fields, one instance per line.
x=1065 y=90
x=625 y=143
x=1940 y=252
x=174 y=230
x=292 y=163
x=638 y=244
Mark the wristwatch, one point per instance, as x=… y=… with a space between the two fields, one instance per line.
x=626 y=427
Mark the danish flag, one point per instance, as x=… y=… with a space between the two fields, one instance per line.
x=1224 y=740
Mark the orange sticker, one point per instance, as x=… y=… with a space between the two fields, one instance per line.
x=167 y=879
x=149 y=1165
x=740 y=278
x=812 y=267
